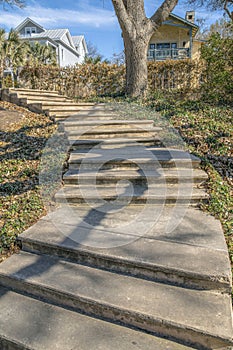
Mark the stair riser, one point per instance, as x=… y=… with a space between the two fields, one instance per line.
x=123 y=266
x=133 y=200
x=5 y=95
x=91 y=118
x=43 y=108
x=136 y=181
x=112 y=135
x=86 y=146
x=36 y=95
x=81 y=107
x=106 y=127
x=6 y=344
x=129 y=165
x=64 y=113
x=113 y=313
x=24 y=101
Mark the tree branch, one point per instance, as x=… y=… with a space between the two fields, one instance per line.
x=121 y=12
x=230 y=14
x=163 y=12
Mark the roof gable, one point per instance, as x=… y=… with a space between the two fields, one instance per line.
x=174 y=20
x=67 y=38
x=28 y=22
x=78 y=40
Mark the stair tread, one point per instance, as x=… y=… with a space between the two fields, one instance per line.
x=143 y=155
x=133 y=295
x=111 y=122
x=95 y=130
x=136 y=174
x=125 y=191
x=187 y=242
x=39 y=325
x=120 y=141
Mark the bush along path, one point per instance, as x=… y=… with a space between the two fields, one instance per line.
x=125 y=259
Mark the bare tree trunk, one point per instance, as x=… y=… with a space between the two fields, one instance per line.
x=137 y=30
x=136 y=65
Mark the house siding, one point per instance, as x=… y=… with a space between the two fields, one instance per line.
x=170 y=34
x=30 y=24
x=66 y=57
x=174 y=31
x=82 y=53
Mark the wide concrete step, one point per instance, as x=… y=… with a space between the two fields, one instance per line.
x=83 y=107
x=43 y=326
x=181 y=175
x=171 y=244
x=72 y=125
x=125 y=156
x=126 y=193
x=58 y=113
x=112 y=132
x=35 y=94
x=23 y=90
x=188 y=315
x=24 y=101
x=88 y=144
x=92 y=117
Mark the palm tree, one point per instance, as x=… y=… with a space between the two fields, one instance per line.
x=42 y=54
x=14 y=52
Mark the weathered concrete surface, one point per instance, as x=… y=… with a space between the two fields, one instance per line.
x=28 y=323
x=185 y=255
x=137 y=302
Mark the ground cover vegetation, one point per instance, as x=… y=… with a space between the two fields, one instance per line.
x=23 y=136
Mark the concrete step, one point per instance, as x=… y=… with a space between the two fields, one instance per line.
x=43 y=326
x=87 y=117
x=112 y=132
x=6 y=93
x=34 y=94
x=26 y=101
x=191 y=316
x=43 y=107
x=138 y=194
x=113 y=143
x=181 y=175
x=169 y=244
x=63 y=112
x=23 y=90
x=83 y=107
x=153 y=158
x=72 y=125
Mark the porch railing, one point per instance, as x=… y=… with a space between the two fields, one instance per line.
x=163 y=54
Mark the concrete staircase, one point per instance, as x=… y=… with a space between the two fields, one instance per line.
x=127 y=260
x=49 y=102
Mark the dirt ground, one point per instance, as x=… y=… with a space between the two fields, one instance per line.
x=7 y=118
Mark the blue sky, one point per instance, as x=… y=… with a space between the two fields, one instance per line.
x=93 y=18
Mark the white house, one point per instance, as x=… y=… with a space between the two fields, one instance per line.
x=69 y=49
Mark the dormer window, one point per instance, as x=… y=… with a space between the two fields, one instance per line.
x=30 y=30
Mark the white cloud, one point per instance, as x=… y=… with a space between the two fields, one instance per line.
x=58 y=17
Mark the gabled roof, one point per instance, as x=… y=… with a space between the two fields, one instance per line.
x=55 y=34
x=77 y=39
x=193 y=26
x=184 y=20
x=21 y=25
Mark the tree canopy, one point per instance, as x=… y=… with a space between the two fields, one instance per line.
x=18 y=3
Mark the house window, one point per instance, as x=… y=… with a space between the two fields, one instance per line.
x=152 y=46
x=30 y=30
x=161 y=46
x=174 y=45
